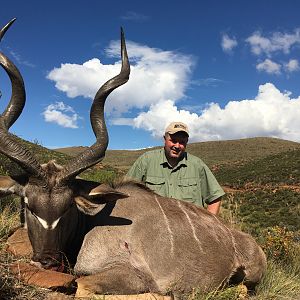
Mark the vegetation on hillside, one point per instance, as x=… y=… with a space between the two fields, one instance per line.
x=213 y=153
x=273 y=170
x=42 y=154
x=267 y=191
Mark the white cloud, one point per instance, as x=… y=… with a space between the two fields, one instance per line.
x=61 y=114
x=269 y=66
x=20 y=60
x=292 y=65
x=212 y=82
x=271 y=113
x=82 y=80
x=159 y=80
x=122 y=121
x=134 y=16
x=156 y=75
x=277 y=42
x=228 y=43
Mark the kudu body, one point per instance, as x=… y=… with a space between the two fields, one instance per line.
x=141 y=243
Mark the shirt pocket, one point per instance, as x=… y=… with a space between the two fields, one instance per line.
x=156 y=184
x=188 y=189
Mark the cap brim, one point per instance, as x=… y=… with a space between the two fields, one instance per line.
x=175 y=131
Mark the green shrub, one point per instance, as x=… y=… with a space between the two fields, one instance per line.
x=264 y=207
x=280 y=244
x=102 y=175
x=271 y=170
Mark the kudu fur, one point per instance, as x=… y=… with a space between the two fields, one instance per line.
x=141 y=243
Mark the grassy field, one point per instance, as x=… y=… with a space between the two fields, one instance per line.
x=262 y=177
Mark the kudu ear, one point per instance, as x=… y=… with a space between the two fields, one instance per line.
x=104 y=190
x=9 y=186
x=98 y=197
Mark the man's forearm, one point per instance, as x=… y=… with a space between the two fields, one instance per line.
x=214 y=207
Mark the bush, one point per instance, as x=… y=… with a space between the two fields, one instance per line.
x=104 y=175
x=280 y=244
x=263 y=208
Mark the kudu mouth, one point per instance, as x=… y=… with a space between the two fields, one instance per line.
x=49 y=261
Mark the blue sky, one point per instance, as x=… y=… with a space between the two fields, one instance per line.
x=229 y=69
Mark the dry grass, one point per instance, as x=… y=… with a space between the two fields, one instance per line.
x=280 y=282
x=9 y=219
x=11 y=287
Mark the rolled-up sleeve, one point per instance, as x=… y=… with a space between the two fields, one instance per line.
x=211 y=189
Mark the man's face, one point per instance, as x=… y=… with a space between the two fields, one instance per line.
x=175 y=144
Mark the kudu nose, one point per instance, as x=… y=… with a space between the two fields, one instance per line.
x=49 y=261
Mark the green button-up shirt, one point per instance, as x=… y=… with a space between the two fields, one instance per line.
x=191 y=180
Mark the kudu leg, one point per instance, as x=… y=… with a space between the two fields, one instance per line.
x=119 y=279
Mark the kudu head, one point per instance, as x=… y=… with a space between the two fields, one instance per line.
x=52 y=193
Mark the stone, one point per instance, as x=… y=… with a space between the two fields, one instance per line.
x=86 y=288
x=57 y=296
x=33 y=275
x=146 y=296
x=19 y=244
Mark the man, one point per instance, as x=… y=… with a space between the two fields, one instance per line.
x=174 y=173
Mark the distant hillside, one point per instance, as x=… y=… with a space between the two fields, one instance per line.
x=213 y=153
x=273 y=170
x=71 y=151
x=41 y=153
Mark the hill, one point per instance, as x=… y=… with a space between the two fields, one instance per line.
x=213 y=153
x=41 y=153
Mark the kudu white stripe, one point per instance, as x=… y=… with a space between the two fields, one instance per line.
x=191 y=224
x=45 y=223
x=168 y=225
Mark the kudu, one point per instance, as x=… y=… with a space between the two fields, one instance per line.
x=138 y=244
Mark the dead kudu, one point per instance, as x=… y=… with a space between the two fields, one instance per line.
x=138 y=244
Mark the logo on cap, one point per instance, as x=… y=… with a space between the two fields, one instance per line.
x=180 y=126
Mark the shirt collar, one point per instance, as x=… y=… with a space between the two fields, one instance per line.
x=163 y=159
